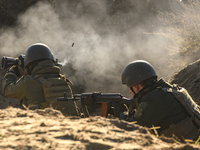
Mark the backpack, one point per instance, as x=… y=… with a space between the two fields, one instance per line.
x=186 y=101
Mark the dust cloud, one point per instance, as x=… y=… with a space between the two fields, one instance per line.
x=94 y=40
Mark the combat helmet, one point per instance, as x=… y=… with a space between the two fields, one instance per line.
x=136 y=72
x=37 y=51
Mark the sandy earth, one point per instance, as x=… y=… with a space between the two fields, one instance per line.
x=49 y=129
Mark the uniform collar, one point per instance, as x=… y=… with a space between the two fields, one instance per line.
x=46 y=67
x=160 y=82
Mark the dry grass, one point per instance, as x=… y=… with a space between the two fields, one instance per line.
x=183 y=30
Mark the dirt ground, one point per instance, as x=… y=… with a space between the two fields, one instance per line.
x=49 y=129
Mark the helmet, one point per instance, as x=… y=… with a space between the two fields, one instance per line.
x=37 y=51
x=136 y=72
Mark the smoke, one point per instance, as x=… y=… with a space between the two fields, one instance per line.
x=94 y=40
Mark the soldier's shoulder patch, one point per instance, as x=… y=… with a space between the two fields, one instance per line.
x=140 y=110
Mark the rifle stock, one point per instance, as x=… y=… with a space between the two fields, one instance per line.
x=106 y=99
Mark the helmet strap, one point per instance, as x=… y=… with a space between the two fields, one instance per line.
x=145 y=87
x=132 y=90
x=139 y=92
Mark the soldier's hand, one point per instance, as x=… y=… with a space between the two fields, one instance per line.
x=14 y=69
x=119 y=109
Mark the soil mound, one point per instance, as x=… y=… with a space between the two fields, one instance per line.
x=49 y=129
x=189 y=78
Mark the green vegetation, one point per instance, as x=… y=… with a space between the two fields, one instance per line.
x=197 y=141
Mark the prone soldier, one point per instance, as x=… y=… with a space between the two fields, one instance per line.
x=158 y=103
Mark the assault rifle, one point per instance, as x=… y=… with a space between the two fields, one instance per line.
x=105 y=99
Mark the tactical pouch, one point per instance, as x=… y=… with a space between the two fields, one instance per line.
x=187 y=102
x=55 y=87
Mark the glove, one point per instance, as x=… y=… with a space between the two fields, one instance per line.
x=14 y=69
x=120 y=109
x=124 y=115
x=127 y=117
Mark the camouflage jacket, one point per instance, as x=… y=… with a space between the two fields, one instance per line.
x=28 y=89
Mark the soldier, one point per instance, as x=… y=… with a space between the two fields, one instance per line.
x=159 y=104
x=43 y=81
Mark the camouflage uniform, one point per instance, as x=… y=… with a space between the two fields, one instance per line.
x=161 y=108
x=30 y=91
